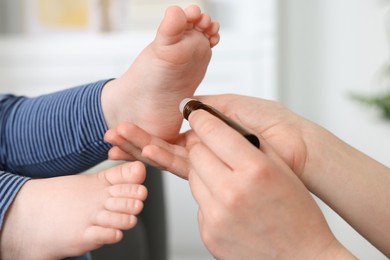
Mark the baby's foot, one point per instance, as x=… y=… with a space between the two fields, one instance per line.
x=69 y=216
x=167 y=71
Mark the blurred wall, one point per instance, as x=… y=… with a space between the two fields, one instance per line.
x=9 y=23
x=328 y=49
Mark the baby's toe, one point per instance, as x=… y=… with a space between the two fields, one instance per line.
x=193 y=13
x=123 y=205
x=203 y=23
x=110 y=219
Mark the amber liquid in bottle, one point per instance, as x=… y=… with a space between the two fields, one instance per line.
x=188 y=105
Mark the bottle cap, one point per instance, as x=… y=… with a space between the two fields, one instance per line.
x=183 y=103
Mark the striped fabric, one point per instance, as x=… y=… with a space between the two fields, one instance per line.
x=9 y=187
x=51 y=135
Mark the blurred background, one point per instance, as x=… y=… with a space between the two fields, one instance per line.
x=309 y=55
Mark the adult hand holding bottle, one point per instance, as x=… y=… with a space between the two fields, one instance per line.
x=343 y=177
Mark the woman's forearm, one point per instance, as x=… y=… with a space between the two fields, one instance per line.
x=356 y=186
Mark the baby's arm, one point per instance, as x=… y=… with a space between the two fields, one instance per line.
x=10 y=184
x=55 y=134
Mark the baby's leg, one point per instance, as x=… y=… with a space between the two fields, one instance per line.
x=69 y=216
x=168 y=70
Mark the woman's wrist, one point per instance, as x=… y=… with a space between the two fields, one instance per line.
x=336 y=251
x=322 y=150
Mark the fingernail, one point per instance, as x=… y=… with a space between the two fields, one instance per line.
x=140 y=190
x=136 y=204
x=132 y=219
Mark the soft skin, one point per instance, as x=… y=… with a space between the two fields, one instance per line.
x=87 y=211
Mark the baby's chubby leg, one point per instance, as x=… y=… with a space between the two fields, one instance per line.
x=166 y=71
x=69 y=216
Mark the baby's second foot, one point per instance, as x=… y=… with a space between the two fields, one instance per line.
x=69 y=216
x=168 y=70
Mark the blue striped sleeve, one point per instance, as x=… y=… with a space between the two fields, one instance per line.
x=55 y=134
x=10 y=185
